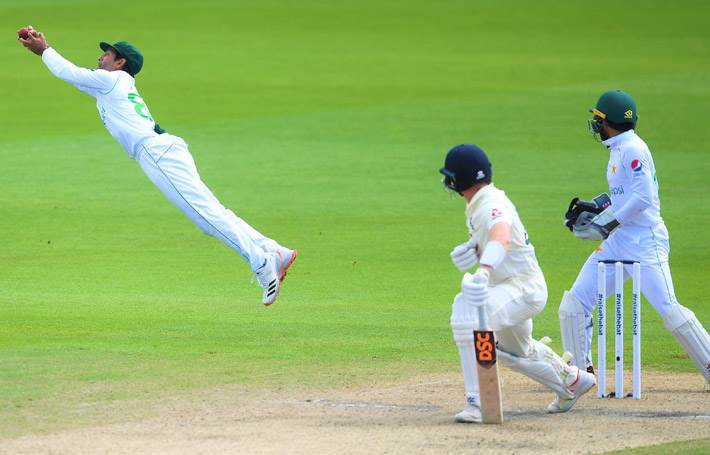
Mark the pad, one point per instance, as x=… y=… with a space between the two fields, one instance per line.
x=543 y=366
x=463 y=321
x=686 y=328
x=573 y=325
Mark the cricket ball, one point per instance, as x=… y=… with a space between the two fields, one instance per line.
x=24 y=33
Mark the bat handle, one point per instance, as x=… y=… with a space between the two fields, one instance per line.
x=482 y=323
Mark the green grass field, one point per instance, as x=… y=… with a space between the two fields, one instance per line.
x=323 y=124
x=694 y=447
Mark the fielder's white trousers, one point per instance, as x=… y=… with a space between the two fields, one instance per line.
x=167 y=162
x=650 y=246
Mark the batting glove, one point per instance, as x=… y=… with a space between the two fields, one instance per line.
x=464 y=256
x=475 y=287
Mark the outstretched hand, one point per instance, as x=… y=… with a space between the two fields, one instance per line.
x=35 y=41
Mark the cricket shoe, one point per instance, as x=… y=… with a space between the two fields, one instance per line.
x=286 y=258
x=584 y=382
x=472 y=414
x=268 y=278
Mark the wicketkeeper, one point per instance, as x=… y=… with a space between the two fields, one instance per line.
x=630 y=226
x=508 y=282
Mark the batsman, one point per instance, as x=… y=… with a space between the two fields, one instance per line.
x=630 y=226
x=508 y=289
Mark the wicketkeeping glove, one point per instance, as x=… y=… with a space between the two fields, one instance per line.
x=578 y=206
x=474 y=287
x=464 y=256
x=590 y=227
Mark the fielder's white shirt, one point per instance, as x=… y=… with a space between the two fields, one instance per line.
x=121 y=107
x=632 y=181
x=488 y=207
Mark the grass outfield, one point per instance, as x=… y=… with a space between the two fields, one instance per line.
x=323 y=124
x=694 y=447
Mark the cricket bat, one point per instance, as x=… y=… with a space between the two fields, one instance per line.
x=488 y=379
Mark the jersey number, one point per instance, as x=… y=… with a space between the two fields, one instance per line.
x=140 y=107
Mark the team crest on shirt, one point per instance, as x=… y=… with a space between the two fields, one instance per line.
x=496 y=213
x=636 y=165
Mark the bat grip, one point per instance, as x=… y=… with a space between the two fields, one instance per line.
x=482 y=323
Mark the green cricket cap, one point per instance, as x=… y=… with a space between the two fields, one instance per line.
x=616 y=106
x=134 y=58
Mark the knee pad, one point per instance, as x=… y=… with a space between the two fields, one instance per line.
x=677 y=316
x=463 y=321
x=463 y=333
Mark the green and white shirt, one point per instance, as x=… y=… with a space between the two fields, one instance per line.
x=121 y=107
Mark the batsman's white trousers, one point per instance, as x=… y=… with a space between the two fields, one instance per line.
x=510 y=308
x=167 y=162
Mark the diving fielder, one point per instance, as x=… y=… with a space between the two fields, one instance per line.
x=630 y=225
x=164 y=158
x=508 y=283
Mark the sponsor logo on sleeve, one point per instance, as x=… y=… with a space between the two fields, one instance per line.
x=636 y=165
x=617 y=190
x=496 y=213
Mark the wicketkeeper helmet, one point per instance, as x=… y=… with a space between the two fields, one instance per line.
x=616 y=106
x=465 y=165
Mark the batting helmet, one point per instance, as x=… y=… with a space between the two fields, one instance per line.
x=465 y=165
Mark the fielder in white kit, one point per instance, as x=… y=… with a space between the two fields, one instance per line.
x=164 y=158
x=508 y=283
x=629 y=223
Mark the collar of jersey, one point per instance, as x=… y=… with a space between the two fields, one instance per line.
x=478 y=196
x=619 y=138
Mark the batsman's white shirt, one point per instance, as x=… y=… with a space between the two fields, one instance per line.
x=488 y=207
x=164 y=158
x=517 y=289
